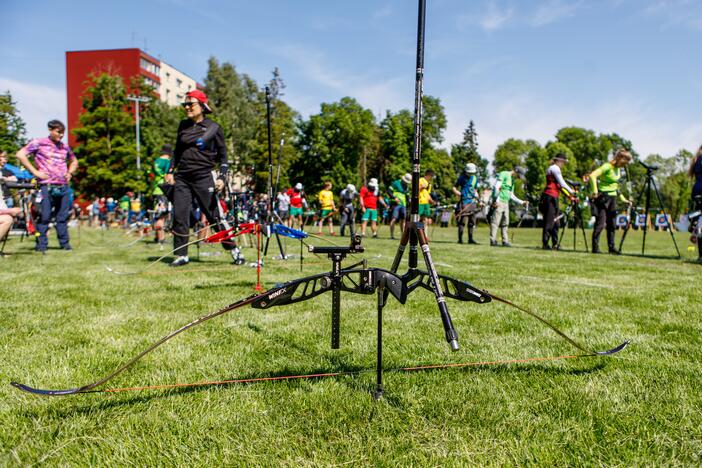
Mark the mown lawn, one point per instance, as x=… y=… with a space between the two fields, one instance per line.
x=65 y=321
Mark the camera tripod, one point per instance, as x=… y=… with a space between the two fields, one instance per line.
x=646 y=189
x=577 y=212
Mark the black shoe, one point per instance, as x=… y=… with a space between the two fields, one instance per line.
x=471 y=241
x=546 y=247
x=506 y=244
x=460 y=241
x=614 y=252
x=67 y=247
x=493 y=244
x=596 y=251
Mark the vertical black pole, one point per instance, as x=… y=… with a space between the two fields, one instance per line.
x=413 y=212
x=270 y=156
x=378 y=394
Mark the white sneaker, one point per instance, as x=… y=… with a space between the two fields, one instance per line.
x=180 y=261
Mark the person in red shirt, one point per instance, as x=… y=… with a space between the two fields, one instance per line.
x=297 y=204
x=369 y=206
x=548 y=206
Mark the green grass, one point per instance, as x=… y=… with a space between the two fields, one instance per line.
x=65 y=321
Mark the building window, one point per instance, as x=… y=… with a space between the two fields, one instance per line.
x=150 y=82
x=150 y=66
x=168 y=76
x=179 y=82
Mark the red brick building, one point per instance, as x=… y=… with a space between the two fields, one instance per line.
x=169 y=83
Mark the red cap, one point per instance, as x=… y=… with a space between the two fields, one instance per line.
x=201 y=97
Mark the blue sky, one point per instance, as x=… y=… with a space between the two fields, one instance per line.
x=517 y=68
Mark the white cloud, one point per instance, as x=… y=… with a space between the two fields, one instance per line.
x=373 y=93
x=674 y=13
x=504 y=115
x=37 y=104
x=554 y=11
x=495 y=17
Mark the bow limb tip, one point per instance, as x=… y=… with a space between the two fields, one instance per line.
x=38 y=391
x=614 y=350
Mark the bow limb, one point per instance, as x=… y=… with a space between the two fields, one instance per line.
x=581 y=347
x=135 y=359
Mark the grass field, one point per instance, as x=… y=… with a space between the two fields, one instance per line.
x=65 y=321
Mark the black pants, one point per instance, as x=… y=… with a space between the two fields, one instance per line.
x=606 y=214
x=466 y=212
x=348 y=218
x=201 y=187
x=548 y=206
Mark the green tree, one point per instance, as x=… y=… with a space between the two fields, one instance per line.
x=396 y=144
x=106 y=140
x=536 y=164
x=235 y=99
x=467 y=152
x=674 y=183
x=332 y=145
x=589 y=150
x=12 y=127
x=284 y=123
x=511 y=153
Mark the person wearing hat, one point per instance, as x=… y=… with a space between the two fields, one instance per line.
x=548 y=205
x=398 y=196
x=348 y=211
x=297 y=203
x=199 y=148
x=369 y=206
x=467 y=208
x=604 y=188
x=327 y=208
x=425 y=197
x=161 y=166
x=502 y=194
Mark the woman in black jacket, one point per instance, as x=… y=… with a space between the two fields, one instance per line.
x=199 y=149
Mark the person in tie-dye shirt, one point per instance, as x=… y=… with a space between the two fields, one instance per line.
x=54 y=166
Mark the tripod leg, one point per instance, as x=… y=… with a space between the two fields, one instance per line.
x=451 y=335
x=669 y=221
x=268 y=240
x=378 y=393
x=280 y=246
x=579 y=219
x=401 y=248
x=630 y=220
x=648 y=208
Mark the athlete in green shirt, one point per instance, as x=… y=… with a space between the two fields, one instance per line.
x=161 y=166
x=398 y=197
x=502 y=194
x=604 y=187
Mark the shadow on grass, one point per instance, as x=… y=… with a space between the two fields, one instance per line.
x=299 y=378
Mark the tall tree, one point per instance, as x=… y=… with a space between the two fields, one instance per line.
x=397 y=143
x=12 y=127
x=333 y=143
x=284 y=122
x=467 y=152
x=511 y=153
x=589 y=150
x=106 y=140
x=236 y=100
